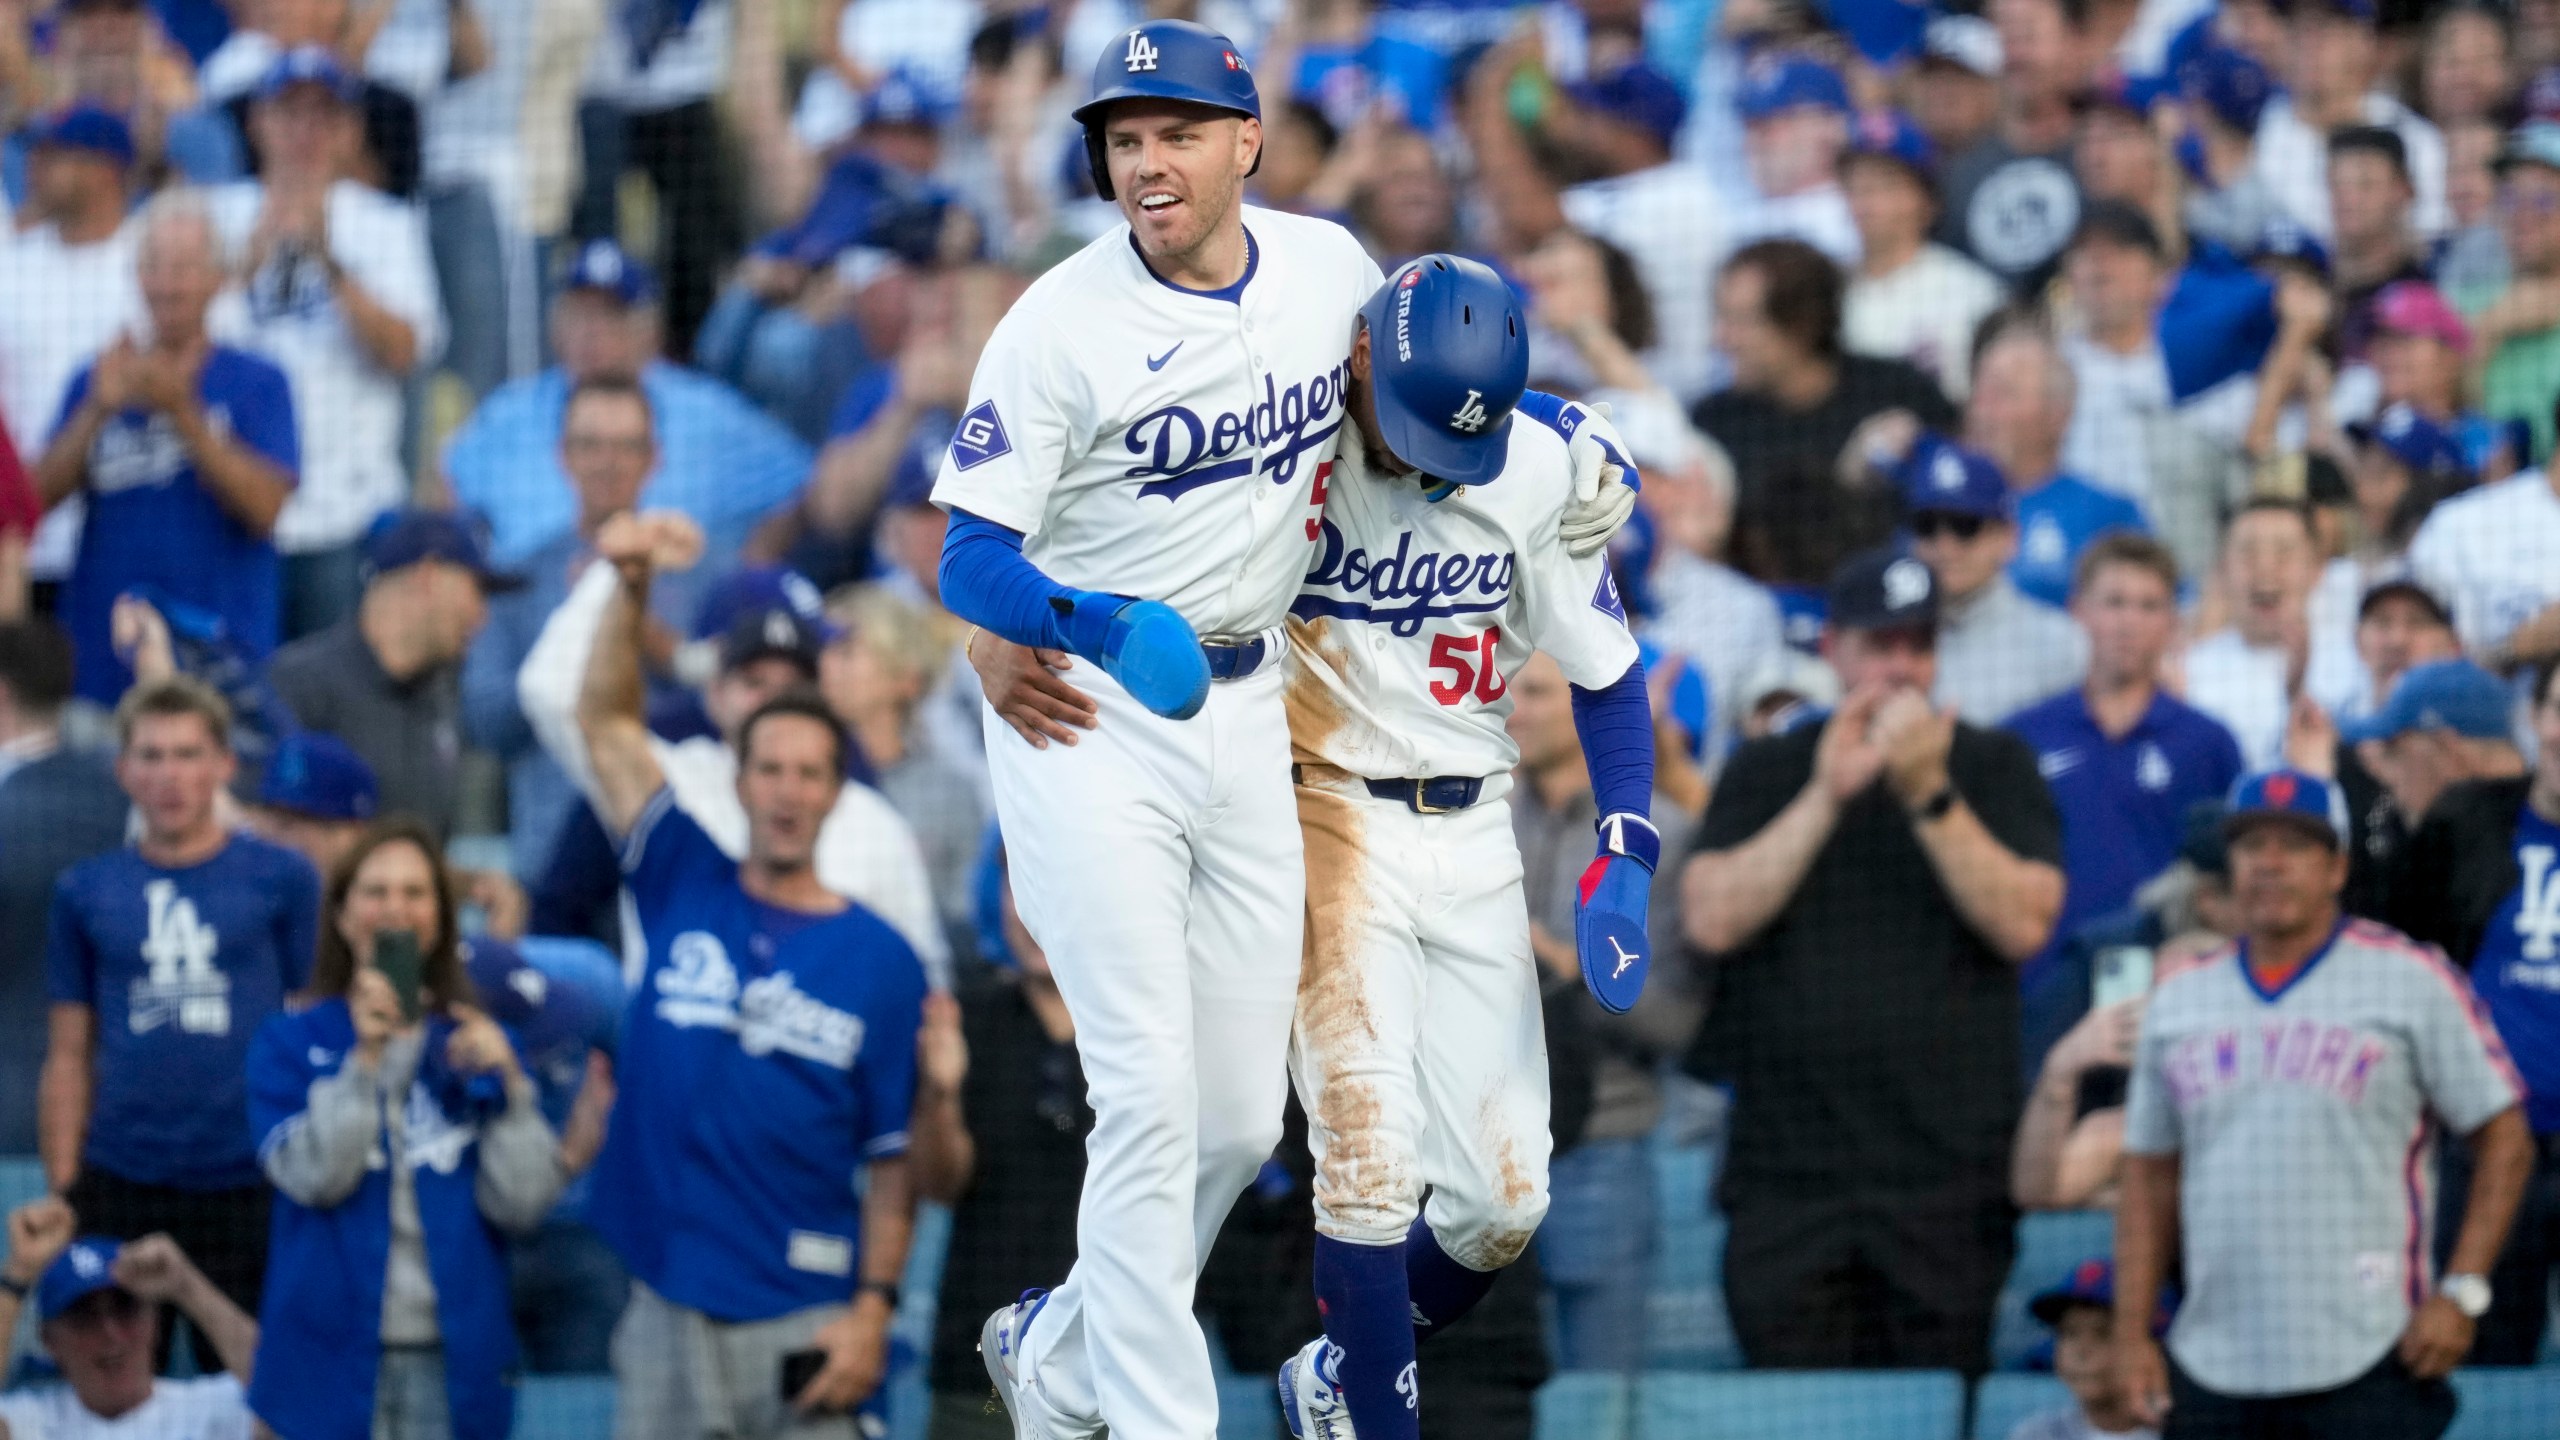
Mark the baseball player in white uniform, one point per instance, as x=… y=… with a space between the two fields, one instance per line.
x=2279 y=1135
x=1135 y=482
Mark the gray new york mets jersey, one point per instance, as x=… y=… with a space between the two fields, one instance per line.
x=2304 y=1119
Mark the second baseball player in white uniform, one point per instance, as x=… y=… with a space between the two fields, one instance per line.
x=1420 y=1054
x=1152 y=420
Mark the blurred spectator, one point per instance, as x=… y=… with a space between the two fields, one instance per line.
x=100 y=1309
x=723 y=1184
x=185 y=451
x=2119 y=156
x=876 y=673
x=340 y=294
x=1795 y=123
x=57 y=807
x=2017 y=416
x=316 y=798
x=561 y=1000
x=163 y=960
x=647 y=106
x=1703 y=614
x=2373 y=244
x=67 y=285
x=112 y=54
x=608 y=449
x=1954 y=84
x=2281 y=1328
x=2012 y=201
x=387 y=679
x=2474 y=256
x=1597 y=1246
x=2081 y=1314
x=1585 y=292
x=2516 y=326
x=386 y=151
x=1025 y=1099
x=2403 y=465
x=2333 y=62
x=2125 y=760
x=2466 y=66
x=864 y=850
x=406 y=1144
x=2494 y=554
x=1900 y=863
x=720 y=460
x=2417 y=354
x=1795 y=417
x=1407 y=207
x=2225 y=92
x=1998 y=651
x=2479 y=882
x=2119 y=275
x=2444 y=723
x=1910 y=298
x=2398 y=623
x=1596 y=154
x=2246 y=673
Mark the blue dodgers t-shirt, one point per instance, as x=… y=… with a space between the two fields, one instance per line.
x=153 y=522
x=765 y=1056
x=2055 y=523
x=182 y=967
x=2123 y=801
x=2517 y=969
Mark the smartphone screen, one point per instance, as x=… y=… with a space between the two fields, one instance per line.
x=799 y=1368
x=395 y=954
x=2119 y=973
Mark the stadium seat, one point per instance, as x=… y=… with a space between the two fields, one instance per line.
x=1686 y=1326
x=2049 y=1244
x=565 y=1407
x=2001 y=1401
x=1801 y=1405
x=2506 y=1404
x=1248 y=1407
x=1580 y=1405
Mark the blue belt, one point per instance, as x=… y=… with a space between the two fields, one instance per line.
x=1435 y=796
x=1233 y=659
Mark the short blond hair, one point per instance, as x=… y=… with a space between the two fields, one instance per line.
x=909 y=637
x=173 y=695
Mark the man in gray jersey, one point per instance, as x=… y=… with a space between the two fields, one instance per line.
x=2280 y=1132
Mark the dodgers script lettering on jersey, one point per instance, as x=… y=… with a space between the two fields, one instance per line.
x=1416 y=614
x=1166 y=443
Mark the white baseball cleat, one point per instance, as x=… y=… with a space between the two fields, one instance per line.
x=1000 y=1345
x=1310 y=1397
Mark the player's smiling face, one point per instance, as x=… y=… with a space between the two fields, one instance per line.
x=1178 y=170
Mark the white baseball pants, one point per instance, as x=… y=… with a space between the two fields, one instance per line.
x=1157 y=862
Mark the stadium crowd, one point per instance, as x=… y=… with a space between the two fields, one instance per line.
x=464 y=482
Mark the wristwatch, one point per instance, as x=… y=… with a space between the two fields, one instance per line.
x=2469 y=1294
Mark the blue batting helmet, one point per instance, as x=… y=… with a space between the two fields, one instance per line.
x=1448 y=358
x=1165 y=60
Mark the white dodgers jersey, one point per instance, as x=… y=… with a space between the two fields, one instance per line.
x=1166 y=443
x=1415 y=614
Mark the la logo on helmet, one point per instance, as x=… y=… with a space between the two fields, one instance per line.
x=1142 y=53
x=1470 y=416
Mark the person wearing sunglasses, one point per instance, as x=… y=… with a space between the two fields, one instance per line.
x=1998 y=651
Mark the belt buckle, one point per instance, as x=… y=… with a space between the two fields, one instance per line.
x=1422 y=806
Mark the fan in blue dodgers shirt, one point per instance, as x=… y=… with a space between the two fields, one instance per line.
x=767 y=1056
x=406 y=1143
x=164 y=959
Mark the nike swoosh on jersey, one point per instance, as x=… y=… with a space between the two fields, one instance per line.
x=1157 y=362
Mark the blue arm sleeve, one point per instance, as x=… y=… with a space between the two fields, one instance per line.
x=987 y=581
x=1616 y=727
x=1566 y=416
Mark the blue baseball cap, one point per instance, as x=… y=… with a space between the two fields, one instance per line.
x=906 y=96
x=1947 y=479
x=1883 y=32
x=1891 y=135
x=2227 y=81
x=1635 y=94
x=2286 y=240
x=604 y=265
x=2453 y=695
x=82 y=126
x=753 y=589
x=316 y=775
x=2091 y=1283
x=310 y=65
x=1782 y=82
x=2414 y=440
x=2295 y=797
x=1884 y=589
x=402 y=538
x=85 y=1267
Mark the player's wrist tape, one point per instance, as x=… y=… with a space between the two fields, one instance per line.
x=1633 y=836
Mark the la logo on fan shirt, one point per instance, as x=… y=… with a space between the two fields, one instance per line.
x=182 y=985
x=2538 y=918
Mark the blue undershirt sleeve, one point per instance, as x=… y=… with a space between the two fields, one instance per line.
x=987 y=581
x=1615 y=724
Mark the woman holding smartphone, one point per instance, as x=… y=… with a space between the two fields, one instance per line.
x=406 y=1144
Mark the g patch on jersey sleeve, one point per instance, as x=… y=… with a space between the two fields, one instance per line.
x=979 y=437
x=1605 y=599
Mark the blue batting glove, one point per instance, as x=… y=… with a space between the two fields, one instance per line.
x=1146 y=645
x=1609 y=919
